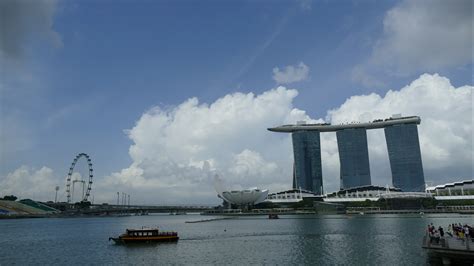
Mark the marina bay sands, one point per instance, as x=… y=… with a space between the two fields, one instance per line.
x=401 y=135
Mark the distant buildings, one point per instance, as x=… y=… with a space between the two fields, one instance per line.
x=403 y=145
x=362 y=193
x=290 y=196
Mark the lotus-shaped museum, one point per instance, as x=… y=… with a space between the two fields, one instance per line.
x=240 y=197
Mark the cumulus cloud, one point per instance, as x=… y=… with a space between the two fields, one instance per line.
x=26 y=182
x=177 y=151
x=445 y=132
x=427 y=35
x=23 y=20
x=291 y=74
x=420 y=36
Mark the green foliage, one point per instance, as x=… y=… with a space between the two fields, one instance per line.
x=10 y=198
x=265 y=205
x=429 y=203
x=82 y=205
x=461 y=202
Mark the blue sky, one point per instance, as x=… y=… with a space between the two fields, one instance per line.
x=75 y=82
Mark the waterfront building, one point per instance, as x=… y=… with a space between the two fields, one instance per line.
x=290 y=196
x=244 y=197
x=462 y=188
x=372 y=193
x=249 y=196
x=361 y=193
x=405 y=157
x=403 y=147
x=307 y=161
x=353 y=157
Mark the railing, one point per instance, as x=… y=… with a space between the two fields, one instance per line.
x=447 y=242
x=452 y=208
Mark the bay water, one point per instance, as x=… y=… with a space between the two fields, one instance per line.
x=304 y=239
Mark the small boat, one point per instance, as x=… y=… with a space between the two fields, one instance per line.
x=152 y=235
x=273 y=216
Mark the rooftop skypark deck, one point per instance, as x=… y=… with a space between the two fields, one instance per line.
x=326 y=127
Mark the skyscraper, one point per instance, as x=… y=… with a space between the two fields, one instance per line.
x=405 y=157
x=353 y=157
x=307 y=168
x=401 y=134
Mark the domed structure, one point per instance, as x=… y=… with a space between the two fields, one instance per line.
x=240 y=197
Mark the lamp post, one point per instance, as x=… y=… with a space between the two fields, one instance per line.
x=56 y=196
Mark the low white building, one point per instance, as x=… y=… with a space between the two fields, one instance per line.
x=372 y=193
x=290 y=196
x=456 y=190
x=362 y=193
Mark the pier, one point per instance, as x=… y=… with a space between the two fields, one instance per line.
x=451 y=249
x=209 y=220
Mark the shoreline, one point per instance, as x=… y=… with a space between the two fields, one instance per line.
x=372 y=213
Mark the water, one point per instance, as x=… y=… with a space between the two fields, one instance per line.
x=332 y=239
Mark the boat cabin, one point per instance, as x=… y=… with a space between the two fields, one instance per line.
x=142 y=232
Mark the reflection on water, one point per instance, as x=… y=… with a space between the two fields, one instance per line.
x=332 y=239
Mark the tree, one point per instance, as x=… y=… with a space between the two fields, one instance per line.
x=10 y=198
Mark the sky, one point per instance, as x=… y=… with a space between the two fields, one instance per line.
x=163 y=95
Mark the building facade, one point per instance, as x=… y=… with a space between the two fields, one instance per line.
x=307 y=161
x=461 y=188
x=401 y=135
x=405 y=157
x=353 y=157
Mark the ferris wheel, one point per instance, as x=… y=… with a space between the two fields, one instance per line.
x=69 y=177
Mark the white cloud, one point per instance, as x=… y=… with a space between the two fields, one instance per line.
x=172 y=146
x=445 y=131
x=250 y=163
x=175 y=152
x=26 y=182
x=420 y=36
x=291 y=74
